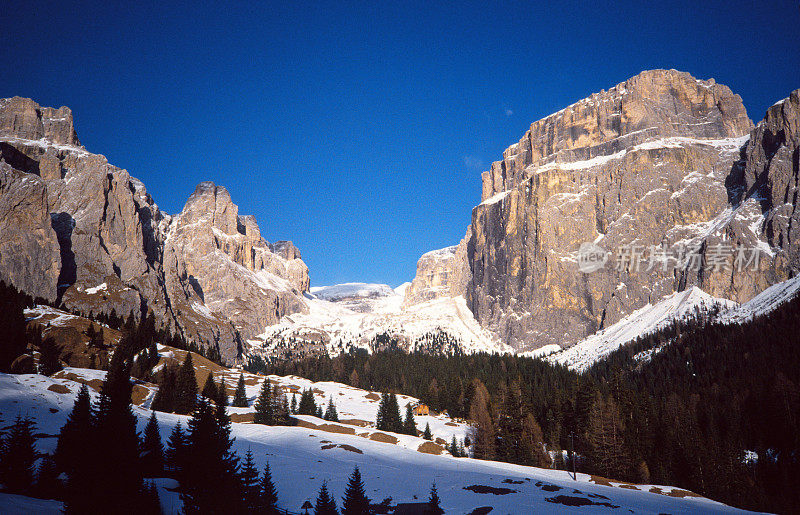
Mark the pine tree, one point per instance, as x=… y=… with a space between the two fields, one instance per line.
x=605 y=437
x=533 y=443
x=355 y=501
x=49 y=357
x=325 y=504
x=380 y=418
x=240 y=397
x=484 y=433
x=175 y=454
x=91 y=334
x=454 y=447
x=294 y=403
x=394 y=422
x=98 y=341
x=117 y=476
x=221 y=410
x=75 y=434
x=210 y=389
x=308 y=405
x=186 y=387
x=150 y=504
x=167 y=391
x=330 y=413
x=427 y=433
x=17 y=466
x=433 y=501
x=264 y=406
x=152 y=455
x=280 y=407
x=12 y=326
x=48 y=485
x=210 y=482
x=409 y=425
x=388 y=418
x=222 y=394
x=509 y=427
x=269 y=495
x=250 y=484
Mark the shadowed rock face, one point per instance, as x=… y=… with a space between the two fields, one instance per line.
x=84 y=232
x=659 y=160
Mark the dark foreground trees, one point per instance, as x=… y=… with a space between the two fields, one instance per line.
x=209 y=477
x=355 y=501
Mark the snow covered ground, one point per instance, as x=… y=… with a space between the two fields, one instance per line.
x=357 y=408
x=302 y=458
x=10 y=503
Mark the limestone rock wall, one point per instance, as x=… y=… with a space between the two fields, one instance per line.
x=659 y=161
x=82 y=232
x=440 y=273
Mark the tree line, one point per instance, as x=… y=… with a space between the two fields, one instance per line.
x=699 y=405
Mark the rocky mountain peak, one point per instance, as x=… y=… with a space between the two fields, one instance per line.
x=82 y=232
x=661 y=160
x=653 y=104
x=25 y=119
x=213 y=205
x=440 y=273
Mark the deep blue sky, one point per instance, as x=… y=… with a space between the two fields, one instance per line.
x=359 y=130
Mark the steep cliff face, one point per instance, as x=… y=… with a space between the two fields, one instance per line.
x=81 y=231
x=234 y=271
x=658 y=163
x=440 y=273
x=771 y=175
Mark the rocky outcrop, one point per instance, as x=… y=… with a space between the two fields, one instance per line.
x=232 y=270
x=658 y=166
x=440 y=273
x=82 y=232
x=25 y=119
x=771 y=175
x=653 y=104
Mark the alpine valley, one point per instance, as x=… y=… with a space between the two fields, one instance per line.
x=507 y=350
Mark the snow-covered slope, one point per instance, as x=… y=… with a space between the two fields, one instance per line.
x=362 y=311
x=643 y=321
x=762 y=303
x=11 y=503
x=652 y=318
x=302 y=458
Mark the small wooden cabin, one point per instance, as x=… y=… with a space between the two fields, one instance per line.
x=421 y=409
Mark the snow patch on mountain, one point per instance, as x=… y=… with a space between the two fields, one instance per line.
x=401 y=290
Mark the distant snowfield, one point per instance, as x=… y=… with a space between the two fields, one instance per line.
x=361 y=311
x=302 y=458
x=346 y=290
